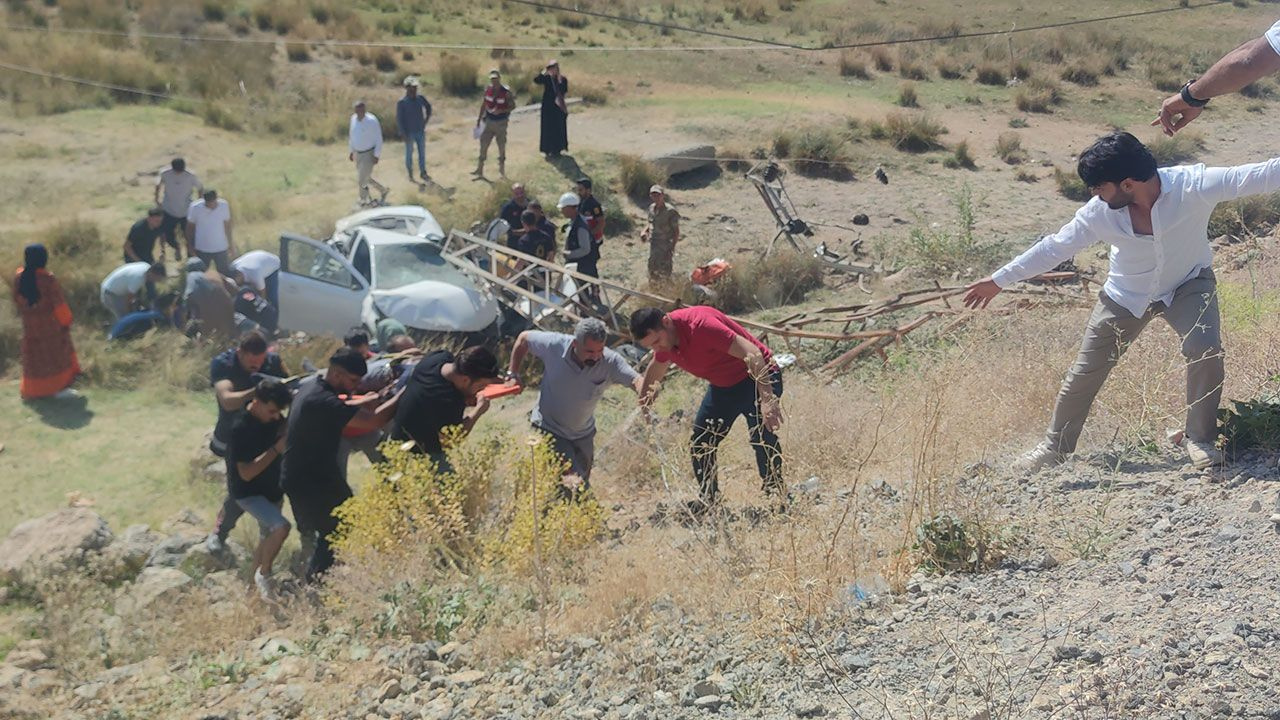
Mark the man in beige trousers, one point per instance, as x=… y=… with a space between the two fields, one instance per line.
x=365 y=144
x=1155 y=221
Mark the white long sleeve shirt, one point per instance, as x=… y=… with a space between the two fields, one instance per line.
x=1146 y=269
x=365 y=134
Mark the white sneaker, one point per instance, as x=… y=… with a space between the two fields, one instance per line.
x=214 y=544
x=67 y=394
x=266 y=588
x=1037 y=459
x=1203 y=455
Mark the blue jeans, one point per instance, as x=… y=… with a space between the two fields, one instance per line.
x=720 y=408
x=419 y=139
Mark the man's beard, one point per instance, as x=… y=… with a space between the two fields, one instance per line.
x=590 y=362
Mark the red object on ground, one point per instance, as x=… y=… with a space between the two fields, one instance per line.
x=706 y=274
x=501 y=390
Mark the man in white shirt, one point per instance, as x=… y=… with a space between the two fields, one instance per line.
x=1161 y=265
x=1251 y=61
x=260 y=270
x=209 y=232
x=179 y=186
x=120 y=289
x=365 y=144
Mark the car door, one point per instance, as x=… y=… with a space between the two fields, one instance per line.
x=320 y=292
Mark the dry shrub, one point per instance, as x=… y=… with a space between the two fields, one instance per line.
x=516 y=77
x=853 y=65
x=911 y=69
x=949 y=68
x=1038 y=96
x=750 y=11
x=988 y=74
x=1081 y=73
x=1164 y=78
x=815 y=151
x=458 y=75
x=907 y=96
x=783 y=278
x=1177 y=150
x=298 y=52
x=961 y=158
x=1253 y=216
x=1070 y=186
x=281 y=16
x=1026 y=176
x=881 y=58
x=572 y=20
x=1009 y=148
x=637 y=175
x=914 y=133
x=592 y=95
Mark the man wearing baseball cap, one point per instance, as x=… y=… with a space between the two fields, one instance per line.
x=662 y=234
x=412 y=114
x=495 y=108
x=364 y=140
x=579 y=246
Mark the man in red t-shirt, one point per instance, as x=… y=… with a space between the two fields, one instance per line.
x=495 y=108
x=706 y=343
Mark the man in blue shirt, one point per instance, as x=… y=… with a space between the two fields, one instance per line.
x=412 y=113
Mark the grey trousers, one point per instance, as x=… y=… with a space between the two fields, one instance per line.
x=364 y=174
x=1193 y=314
x=580 y=453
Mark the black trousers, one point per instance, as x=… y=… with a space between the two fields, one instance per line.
x=315 y=513
x=720 y=408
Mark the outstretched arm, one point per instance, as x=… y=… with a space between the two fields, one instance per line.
x=1220 y=184
x=758 y=367
x=1045 y=255
x=649 y=382
x=1247 y=63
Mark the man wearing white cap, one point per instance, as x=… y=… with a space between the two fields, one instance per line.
x=495 y=108
x=662 y=234
x=365 y=143
x=412 y=113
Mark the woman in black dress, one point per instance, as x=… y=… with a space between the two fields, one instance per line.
x=555 y=114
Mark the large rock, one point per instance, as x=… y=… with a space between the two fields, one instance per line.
x=153 y=584
x=125 y=558
x=684 y=159
x=48 y=543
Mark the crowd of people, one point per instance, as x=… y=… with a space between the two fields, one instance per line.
x=291 y=437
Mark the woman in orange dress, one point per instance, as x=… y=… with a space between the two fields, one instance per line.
x=49 y=363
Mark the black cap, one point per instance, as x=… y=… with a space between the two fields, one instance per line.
x=584 y=182
x=350 y=360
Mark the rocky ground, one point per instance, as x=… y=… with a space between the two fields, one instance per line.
x=1134 y=587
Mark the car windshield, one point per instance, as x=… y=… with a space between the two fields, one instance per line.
x=396 y=223
x=402 y=264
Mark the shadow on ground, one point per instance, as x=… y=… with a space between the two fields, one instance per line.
x=68 y=414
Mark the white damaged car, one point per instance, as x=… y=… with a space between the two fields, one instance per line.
x=383 y=262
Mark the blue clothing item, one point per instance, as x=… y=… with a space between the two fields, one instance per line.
x=412 y=114
x=420 y=139
x=136 y=324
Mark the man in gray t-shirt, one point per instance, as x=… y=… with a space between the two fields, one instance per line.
x=576 y=371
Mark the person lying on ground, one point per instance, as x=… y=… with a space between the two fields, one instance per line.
x=163 y=314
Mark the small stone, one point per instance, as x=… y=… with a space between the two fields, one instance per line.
x=549 y=698
x=1256 y=506
x=1216 y=658
x=1228 y=534
x=809 y=709
x=467 y=678
x=448 y=649
x=705 y=688
x=1255 y=672
x=1063 y=653
x=709 y=702
x=27 y=659
x=853 y=662
x=389 y=690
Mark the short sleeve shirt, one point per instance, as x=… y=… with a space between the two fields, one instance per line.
x=226 y=366
x=176 y=191
x=310 y=472
x=128 y=279
x=570 y=390
x=249 y=439
x=593 y=212
x=256 y=265
x=430 y=404
x=211 y=231
x=705 y=335
x=142 y=238
x=663 y=224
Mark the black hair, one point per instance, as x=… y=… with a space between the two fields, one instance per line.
x=158 y=269
x=178 y=164
x=645 y=321
x=274 y=392
x=1115 y=158
x=253 y=342
x=155 y=212
x=528 y=217
x=356 y=337
x=350 y=360
x=210 y=194
x=477 y=363
x=584 y=182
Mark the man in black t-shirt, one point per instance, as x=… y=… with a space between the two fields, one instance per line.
x=140 y=245
x=532 y=240
x=233 y=375
x=437 y=396
x=512 y=209
x=253 y=473
x=310 y=474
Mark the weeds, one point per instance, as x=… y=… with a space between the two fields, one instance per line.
x=853 y=66
x=961 y=158
x=941 y=250
x=882 y=60
x=1038 y=96
x=907 y=97
x=1177 y=150
x=1247 y=217
x=1070 y=186
x=783 y=278
x=989 y=75
x=637 y=176
x=914 y=133
x=1009 y=149
x=458 y=76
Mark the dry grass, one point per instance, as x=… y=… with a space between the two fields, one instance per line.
x=1070 y=186
x=1038 y=96
x=458 y=76
x=853 y=65
x=914 y=133
x=907 y=96
x=988 y=74
x=961 y=158
x=636 y=176
x=1009 y=149
x=1183 y=148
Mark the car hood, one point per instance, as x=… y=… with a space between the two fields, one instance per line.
x=438 y=306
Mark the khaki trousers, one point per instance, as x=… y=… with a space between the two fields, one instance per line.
x=493 y=130
x=1193 y=314
x=364 y=174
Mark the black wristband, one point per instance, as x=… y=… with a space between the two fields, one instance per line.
x=1190 y=99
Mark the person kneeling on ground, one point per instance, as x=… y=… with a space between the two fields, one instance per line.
x=310 y=475
x=253 y=473
x=577 y=369
x=442 y=392
x=163 y=314
x=743 y=380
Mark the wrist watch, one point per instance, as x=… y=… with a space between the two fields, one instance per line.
x=1190 y=99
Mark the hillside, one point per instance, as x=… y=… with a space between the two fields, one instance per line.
x=916 y=576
